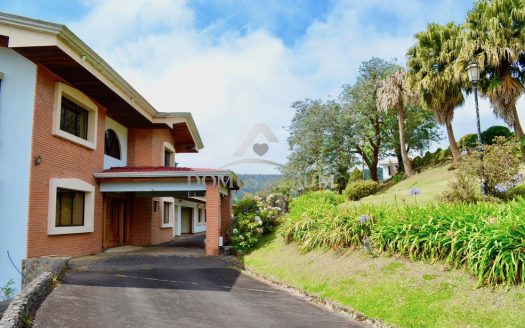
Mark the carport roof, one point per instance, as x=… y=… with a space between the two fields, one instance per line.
x=154 y=172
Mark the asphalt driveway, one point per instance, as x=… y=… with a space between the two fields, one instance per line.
x=169 y=286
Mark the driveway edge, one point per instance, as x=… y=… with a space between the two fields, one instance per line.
x=324 y=303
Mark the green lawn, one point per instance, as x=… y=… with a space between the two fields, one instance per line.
x=394 y=290
x=432 y=183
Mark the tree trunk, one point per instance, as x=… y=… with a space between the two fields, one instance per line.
x=454 y=148
x=402 y=143
x=373 y=171
x=517 y=125
x=400 y=160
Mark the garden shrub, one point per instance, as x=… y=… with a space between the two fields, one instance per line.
x=359 y=189
x=355 y=175
x=7 y=292
x=253 y=217
x=485 y=238
x=488 y=136
x=500 y=169
x=468 y=141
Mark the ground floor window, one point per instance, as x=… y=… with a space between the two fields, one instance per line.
x=70 y=208
x=166 y=214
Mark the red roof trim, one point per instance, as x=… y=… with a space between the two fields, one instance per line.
x=128 y=169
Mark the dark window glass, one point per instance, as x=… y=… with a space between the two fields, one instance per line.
x=73 y=119
x=70 y=208
x=167 y=157
x=155 y=206
x=166 y=214
x=112 y=144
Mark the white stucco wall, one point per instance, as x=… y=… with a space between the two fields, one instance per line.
x=17 y=94
x=197 y=227
x=122 y=133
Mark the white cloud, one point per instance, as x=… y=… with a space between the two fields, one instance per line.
x=228 y=78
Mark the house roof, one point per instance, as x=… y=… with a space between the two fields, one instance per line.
x=55 y=47
x=153 y=172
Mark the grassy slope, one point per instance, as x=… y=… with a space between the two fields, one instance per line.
x=394 y=290
x=431 y=182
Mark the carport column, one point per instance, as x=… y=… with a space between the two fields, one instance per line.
x=226 y=218
x=213 y=219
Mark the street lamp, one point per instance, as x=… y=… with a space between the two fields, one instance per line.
x=473 y=73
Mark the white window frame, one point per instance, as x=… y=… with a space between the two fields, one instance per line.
x=171 y=203
x=171 y=149
x=89 y=206
x=63 y=90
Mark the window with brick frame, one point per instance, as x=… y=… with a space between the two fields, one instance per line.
x=155 y=206
x=168 y=155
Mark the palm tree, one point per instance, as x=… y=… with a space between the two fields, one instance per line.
x=495 y=39
x=430 y=73
x=394 y=94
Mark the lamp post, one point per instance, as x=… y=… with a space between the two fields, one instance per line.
x=473 y=73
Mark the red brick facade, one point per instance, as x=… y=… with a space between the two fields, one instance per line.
x=64 y=159
x=60 y=159
x=213 y=219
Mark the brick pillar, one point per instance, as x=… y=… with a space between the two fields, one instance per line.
x=226 y=218
x=213 y=219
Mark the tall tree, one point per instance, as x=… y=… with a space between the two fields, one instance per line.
x=393 y=94
x=431 y=74
x=317 y=142
x=364 y=123
x=495 y=39
x=421 y=130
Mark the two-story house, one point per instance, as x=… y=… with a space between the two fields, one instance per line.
x=86 y=163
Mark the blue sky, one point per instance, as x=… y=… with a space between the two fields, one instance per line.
x=235 y=64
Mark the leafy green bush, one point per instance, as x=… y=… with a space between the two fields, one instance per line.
x=355 y=175
x=485 y=238
x=500 y=170
x=488 y=136
x=254 y=216
x=440 y=156
x=7 y=291
x=468 y=141
x=359 y=189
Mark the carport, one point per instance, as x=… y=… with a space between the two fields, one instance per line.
x=213 y=187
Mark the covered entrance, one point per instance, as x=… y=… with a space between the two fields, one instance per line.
x=186 y=219
x=116 y=221
x=147 y=225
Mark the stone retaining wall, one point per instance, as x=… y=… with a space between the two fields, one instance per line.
x=32 y=268
x=39 y=276
x=22 y=305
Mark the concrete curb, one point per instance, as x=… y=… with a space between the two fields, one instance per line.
x=324 y=303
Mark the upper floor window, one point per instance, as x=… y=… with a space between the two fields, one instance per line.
x=75 y=116
x=112 y=144
x=169 y=154
x=73 y=119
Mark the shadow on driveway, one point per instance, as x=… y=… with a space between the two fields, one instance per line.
x=172 y=288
